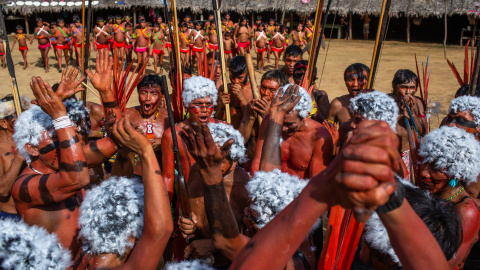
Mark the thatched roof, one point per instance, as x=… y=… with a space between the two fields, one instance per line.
x=415 y=8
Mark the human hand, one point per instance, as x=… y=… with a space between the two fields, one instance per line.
x=68 y=85
x=332 y=129
x=207 y=155
x=237 y=91
x=200 y=249
x=363 y=172
x=286 y=102
x=108 y=123
x=156 y=144
x=261 y=107
x=225 y=98
x=102 y=79
x=188 y=226
x=126 y=135
x=46 y=98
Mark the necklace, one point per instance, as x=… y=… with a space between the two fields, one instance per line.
x=456 y=194
x=149 y=126
x=35 y=170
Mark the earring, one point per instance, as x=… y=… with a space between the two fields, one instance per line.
x=453 y=182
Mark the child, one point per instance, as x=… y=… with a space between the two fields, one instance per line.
x=129 y=41
x=61 y=39
x=228 y=44
x=2 y=53
x=142 y=40
x=118 y=32
x=42 y=33
x=278 y=45
x=198 y=43
x=212 y=37
x=183 y=37
x=261 y=42
x=158 y=48
x=22 y=44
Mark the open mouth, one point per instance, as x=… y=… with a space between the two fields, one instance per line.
x=427 y=185
x=203 y=119
x=147 y=107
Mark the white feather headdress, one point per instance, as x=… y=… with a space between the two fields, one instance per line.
x=198 y=87
x=454 y=151
x=193 y=265
x=304 y=106
x=376 y=105
x=6 y=108
x=223 y=132
x=30 y=247
x=271 y=192
x=111 y=214
x=465 y=104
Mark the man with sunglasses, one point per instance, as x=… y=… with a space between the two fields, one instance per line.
x=356 y=77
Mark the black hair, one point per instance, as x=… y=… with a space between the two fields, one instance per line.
x=110 y=17
x=141 y=16
x=211 y=14
x=60 y=20
x=259 y=18
x=466 y=90
x=224 y=19
x=212 y=21
x=272 y=19
x=243 y=18
x=53 y=23
x=404 y=76
x=128 y=24
x=237 y=66
x=19 y=27
x=8 y=97
x=100 y=19
x=188 y=16
x=149 y=23
x=293 y=50
x=210 y=55
x=261 y=24
x=275 y=75
x=156 y=24
x=159 y=17
x=197 y=23
x=141 y=20
x=39 y=19
x=75 y=19
x=357 y=68
x=184 y=24
x=228 y=13
x=149 y=80
x=118 y=17
x=297 y=76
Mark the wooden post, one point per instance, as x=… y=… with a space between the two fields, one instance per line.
x=83 y=93
x=445 y=38
x=408 y=28
x=27 y=29
x=350 y=27
x=283 y=12
x=135 y=18
x=253 y=18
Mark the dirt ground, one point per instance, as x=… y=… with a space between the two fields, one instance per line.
x=341 y=53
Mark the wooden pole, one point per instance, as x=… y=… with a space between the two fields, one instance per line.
x=313 y=49
x=408 y=29
x=253 y=81
x=283 y=11
x=135 y=18
x=445 y=38
x=350 y=27
x=177 y=43
x=381 y=32
x=84 y=93
x=27 y=28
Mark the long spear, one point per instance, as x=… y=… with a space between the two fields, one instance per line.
x=313 y=57
x=176 y=40
x=86 y=40
x=381 y=33
x=313 y=50
x=182 y=187
x=216 y=6
x=11 y=68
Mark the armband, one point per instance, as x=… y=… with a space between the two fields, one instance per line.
x=421 y=115
x=62 y=122
x=396 y=199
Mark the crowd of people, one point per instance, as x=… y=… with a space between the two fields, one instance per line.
x=87 y=186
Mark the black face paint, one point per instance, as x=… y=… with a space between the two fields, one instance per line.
x=360 y=76
x=49 y=148
x=460 y=121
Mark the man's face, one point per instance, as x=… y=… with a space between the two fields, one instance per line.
x=61 y=24
x=433 y=180
x=238 y=79
x=78 y=24
x=118 y=21
x=271 y=23
x=277 y=28
x=159 y=20
x=200 y=110
x=227 y=17
x=127 y=19
x=198 y=27
x=218 y=70
x=269 y=88
x=463 y=120
x=299 y=28
x=356 y=81
x=48 y=150
x=224 y=22
x=291 y=124
x=156 y=28
x=183 y=28
x=149 y=98
x=355 y=121
x=261 y=28
x=143 y=24
x=298 y=74
x=100 y=24
x=40 y=23
x=8 y=122
x=290 y=62
x=404 y=89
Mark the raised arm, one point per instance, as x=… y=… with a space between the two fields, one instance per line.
x=168 y=161
x=9 y=175
x=158 y=223
x=72 y=174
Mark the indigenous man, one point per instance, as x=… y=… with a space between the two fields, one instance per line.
x=278 y=45
x=102 y=35
x=61 y=39
x=184 y=38
x=235 y=179
x=49 y=191
x=242 y=36
x=158 y=49
x=212 y=37
x=151 y=119
x=261 y=42
x=404 y=84
x=142 y=40
x=298 y=36
x=239 y=92
x=118 y=31
x=307 y=146
x=214 y=66
x=22 y=44
x=355 y=76
x=450 y=159
x=42 y=33
x=292 y=55
x=198 y=48
x=11 y=162
x=249 y=127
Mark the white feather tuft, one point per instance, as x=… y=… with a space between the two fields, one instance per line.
x=223 y=132
x=111 y=214
x=376 y=105
x=194 y=265
x=30 y=247
x=271 y=192
x=454 y=151
x=6 y=108
x=198 y=87
x=304 y=106
x=467 y=104
x=376 y=236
